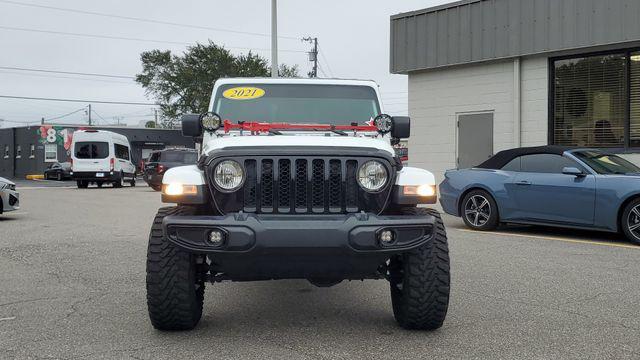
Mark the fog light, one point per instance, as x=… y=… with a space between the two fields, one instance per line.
x=386 y=236
x=216 y=237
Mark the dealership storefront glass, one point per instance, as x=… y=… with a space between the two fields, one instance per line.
x=596 y=101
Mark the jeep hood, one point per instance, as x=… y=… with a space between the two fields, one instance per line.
x=296 y=141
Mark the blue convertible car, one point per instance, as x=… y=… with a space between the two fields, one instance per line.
x=547 y=185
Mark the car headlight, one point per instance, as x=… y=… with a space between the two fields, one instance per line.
x=228 y=176
x=372 y=176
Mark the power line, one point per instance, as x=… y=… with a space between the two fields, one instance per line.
x=65 y=115
x=325 y=61
x=66 y=72
x=65 y=77
x=109 y=37
x=76 y=100
x=152 y=21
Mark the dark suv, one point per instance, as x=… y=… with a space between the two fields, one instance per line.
x=161 y=161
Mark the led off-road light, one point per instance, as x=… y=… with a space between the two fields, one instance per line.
x=386 y=236
x=216 y=237
x=210 y=121
x=383 y=122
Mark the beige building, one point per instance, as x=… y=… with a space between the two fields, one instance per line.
x=487 y=75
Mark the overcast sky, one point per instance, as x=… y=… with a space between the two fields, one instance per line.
x=353 y=37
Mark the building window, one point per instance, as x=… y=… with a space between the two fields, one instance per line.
x=590 y=101
x=19 y=152
x=32 y=151
x=634 y=99
x=50 y=152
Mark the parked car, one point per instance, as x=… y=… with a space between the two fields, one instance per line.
x=9 y=197
x=162 y=160
x=58 y=171
x=548 y=185
x=100 y=157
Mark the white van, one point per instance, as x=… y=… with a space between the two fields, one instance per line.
x=99 y=156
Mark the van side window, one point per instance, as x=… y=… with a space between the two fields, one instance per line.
x=121 y=151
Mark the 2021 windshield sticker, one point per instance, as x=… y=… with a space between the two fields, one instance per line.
x=243 y=93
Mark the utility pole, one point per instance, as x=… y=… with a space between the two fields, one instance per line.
x=274 y=38
x=89 y=113
x=155 y=115
x=313 y=56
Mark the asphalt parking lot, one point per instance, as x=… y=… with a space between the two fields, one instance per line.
x=72 y=269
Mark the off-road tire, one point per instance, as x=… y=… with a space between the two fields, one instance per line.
x=82 y=184
x=133 y=181
x=625 y=219
x=420 y=279
x=175 y=293
x=494 y=217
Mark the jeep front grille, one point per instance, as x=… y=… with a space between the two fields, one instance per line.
x=308 y=185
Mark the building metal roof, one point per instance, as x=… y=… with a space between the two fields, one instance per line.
x=471 y=31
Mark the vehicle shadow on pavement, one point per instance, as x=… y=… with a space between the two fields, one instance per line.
x=552 y=232
x=297 y=305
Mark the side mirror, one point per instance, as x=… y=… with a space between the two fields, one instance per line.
x=401 y=128
x=573 y=171
x=191 y=125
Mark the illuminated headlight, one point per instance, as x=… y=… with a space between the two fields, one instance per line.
x=228 y=176
x=210 y=121
x=176 y=189
x=383 y=122
x=372 y=176
x=421 y=190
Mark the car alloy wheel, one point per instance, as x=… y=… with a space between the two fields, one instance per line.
x=633 y=222
x=477 y=210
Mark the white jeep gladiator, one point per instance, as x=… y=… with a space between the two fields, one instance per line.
x=297 y=179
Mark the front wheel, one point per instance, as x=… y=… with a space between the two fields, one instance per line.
x=480 y=211
x=82 y=184
x=630 y=221
x=419 y=279
x=175 y=289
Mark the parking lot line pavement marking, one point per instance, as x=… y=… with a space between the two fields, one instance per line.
x=43 y=187
x=8 y=318
x=554 y=238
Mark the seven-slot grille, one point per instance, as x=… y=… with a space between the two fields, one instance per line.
x=305 y=185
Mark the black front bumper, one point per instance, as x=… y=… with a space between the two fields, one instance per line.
x=298 y=246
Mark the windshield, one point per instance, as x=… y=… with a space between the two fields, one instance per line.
x=91 y=150
x=297 y=103
x=606 y=163
x=179 y=157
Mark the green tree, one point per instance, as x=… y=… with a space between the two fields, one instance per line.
x=150 y=124
x=183 y=83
